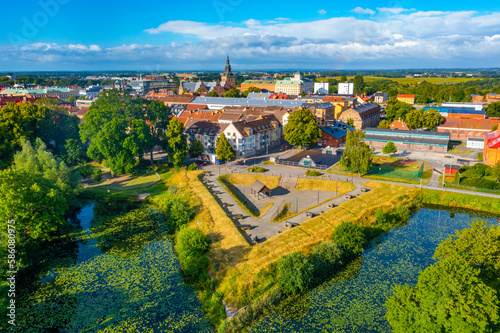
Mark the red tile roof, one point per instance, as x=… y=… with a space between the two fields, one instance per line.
x=469 y=123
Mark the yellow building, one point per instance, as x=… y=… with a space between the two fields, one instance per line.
x=269 y=85
x=410 y=99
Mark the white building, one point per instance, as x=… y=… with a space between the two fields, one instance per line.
x=475 y=143
x=294 y=85
x=458 y=105
x=346 y=88
x=321 y=87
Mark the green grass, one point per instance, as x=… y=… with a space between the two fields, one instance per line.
x=283 y=214
x=226 y=184
x=452 y=199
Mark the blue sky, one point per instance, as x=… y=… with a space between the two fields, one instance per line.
x=196 y=35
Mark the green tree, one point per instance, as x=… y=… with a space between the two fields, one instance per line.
x=249 y=90
x=57 y=127
x=359 y=84
x=17 y=122
x=414 y=119
x=224 y=151
x=350 y=122
x=495 y=172
x=196 y=148
x=431 y=119
x=231 y=93
x=397 y=110
x=357 y=154
x=180 y=212
x=459 y=293
x=383 y=124
x=177 y=146
x=493 y=110
x=295 y=273
x=73 y=151
x=97 y=174
x=343 y=79
x=71 y=99
x=350 y=238
x=213 y=94
x=301 y=128
x=389 y=148
x=115 y=128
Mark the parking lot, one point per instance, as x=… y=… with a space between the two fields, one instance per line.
x=317 y=156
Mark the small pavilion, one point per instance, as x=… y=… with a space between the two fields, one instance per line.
x=258 y=189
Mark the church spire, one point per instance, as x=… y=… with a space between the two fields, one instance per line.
x=228 y=67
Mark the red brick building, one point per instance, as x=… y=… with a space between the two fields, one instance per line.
x=463 y=128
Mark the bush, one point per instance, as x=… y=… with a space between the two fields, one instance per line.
x=380 y=216
x=313 y=173
x=326 y=258
x=256 y=169
x=402 y=213
x=480 y=156
x=295 y=273
x=85 y=170
x=192 y=167
x=97 y=175
x=191 y=246
x=350 y=238
x=180 y=212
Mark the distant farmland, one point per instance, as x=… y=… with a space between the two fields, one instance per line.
x=410 y=81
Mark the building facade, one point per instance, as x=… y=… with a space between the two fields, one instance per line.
x=334 y=135
x=491 y=152
x=365 y=115
x=345 y=88
x=321 y=87
x=462 y=128
x=409 y=99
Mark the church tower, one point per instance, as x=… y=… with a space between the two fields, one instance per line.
x=228 y=77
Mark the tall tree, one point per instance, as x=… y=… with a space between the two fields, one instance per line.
x=383 y=124
x=231 y=93
x=301 y=128
x=115 y=128
x=196 y=148
x=73 y=152
x=397 y=110
x=359 y=84
x=224 y=151
x=357 y=154
x=431 y=119
x=157 y=117
x=176 y=142
x=296 y=273
x=413 y=119
x=17 y=122
x=350 y=122
x=57 y=126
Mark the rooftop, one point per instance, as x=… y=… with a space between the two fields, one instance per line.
x=248 y=101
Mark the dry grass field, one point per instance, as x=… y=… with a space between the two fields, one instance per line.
x=304 y=184
x=249 y=179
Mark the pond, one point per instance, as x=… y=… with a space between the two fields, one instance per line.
x=355 y=303
x=139 y=291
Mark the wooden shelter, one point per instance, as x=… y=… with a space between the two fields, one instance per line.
x=258 y=189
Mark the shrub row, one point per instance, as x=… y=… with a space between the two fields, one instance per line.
x=313 y=173
x=256 y=169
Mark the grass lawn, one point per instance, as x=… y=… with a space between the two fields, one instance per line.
x=457 y=150
x=304 y=184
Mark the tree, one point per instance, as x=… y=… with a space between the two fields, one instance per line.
x=295 y=273
x=224 y=151
x=414 y=119
x=213 y=94
x=301 y=128
x=431 y=119
x=177 y=146
x=115 y=128
x=397 y=110
x=495 y=172
x=157 y=117
x=57 y=126
x=73 y=151
x=249 y=90
x=456 y=294
x=383 y=124
x=36 y=204
x=303 y=94
x=343 y=79
x=350 y=122
x=71 y=99
x=357 y=154
x=231 y=93
x=493 y=110
x=17 y=122
x=350 y=238
x=390 y=148
x=196 y=148
x=359 y=84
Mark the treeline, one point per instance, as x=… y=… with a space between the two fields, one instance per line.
x=459 y=293
x=479 y=175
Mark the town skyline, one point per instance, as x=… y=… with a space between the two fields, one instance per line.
x=57 y=35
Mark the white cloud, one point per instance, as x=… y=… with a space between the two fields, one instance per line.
x=413 y=39
x=392 y=10
x=322 y=12
x=360 y=10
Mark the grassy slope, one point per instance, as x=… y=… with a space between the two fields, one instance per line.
x=249 y=179
x=487 y=204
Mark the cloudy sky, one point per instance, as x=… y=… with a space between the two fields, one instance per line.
x=197 y=35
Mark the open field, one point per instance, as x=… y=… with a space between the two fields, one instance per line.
x=249 y=179
x=410 y=81
x=240 y=284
